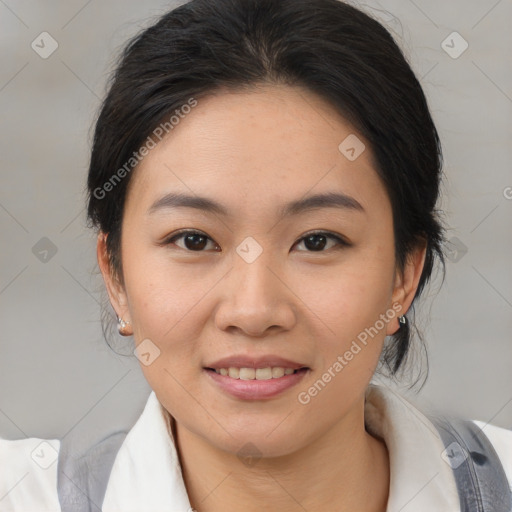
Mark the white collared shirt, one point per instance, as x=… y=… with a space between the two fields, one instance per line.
x=146 y=475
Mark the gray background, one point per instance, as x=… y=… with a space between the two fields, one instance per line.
x=57 y=374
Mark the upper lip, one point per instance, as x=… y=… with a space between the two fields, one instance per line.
x=244 y=361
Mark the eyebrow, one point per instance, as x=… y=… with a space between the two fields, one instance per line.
x=314 y=202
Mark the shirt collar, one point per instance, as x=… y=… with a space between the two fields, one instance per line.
x=420 y=480
x=147 y=475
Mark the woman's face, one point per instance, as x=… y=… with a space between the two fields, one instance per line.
x=254 y=283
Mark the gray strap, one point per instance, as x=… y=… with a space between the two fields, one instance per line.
x=82 y=479
x=481 y=481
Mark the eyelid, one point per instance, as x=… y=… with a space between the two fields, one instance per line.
x=185 y=231
x=341 y=241
x=339 y=238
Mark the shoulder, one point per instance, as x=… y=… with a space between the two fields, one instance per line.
x=480 y=457
x=28 y=480
x=50 y=475
x=45 y=474
x=83 y=475
x=468 y=459
x=501 y=440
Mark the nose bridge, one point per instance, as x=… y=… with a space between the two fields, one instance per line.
x=251 y=272
x=256 y=298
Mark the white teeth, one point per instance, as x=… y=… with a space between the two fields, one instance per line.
x=255 y=373
x=247 y=373
x=263 y=373
x=277 y=372
x=234 y=373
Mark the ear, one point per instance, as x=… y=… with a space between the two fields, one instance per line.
x=114 y=288
x=406 y=283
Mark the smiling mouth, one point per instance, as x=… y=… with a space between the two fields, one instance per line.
x=268 y=373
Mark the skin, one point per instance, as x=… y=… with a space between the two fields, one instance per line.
x=253 y=151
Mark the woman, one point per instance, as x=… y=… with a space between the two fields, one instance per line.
x=264 y=179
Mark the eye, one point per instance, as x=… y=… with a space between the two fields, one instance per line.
x=196 y=241
x=317 y=241
x=193 y=240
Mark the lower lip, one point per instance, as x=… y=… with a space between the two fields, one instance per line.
x=256 y=389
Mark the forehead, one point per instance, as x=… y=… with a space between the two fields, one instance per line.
x=273 y=143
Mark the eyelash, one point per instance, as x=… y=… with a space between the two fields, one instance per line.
x=340 y=241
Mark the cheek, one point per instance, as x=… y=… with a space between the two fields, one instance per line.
x=160 y=293
x=161 y=301
x=351 y=332
x=166 y=309
x=349 y=297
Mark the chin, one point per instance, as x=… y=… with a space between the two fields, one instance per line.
x=257 y=444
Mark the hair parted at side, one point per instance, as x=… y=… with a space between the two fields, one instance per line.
x=327 y=46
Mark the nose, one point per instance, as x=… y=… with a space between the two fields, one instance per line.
x=255 y=299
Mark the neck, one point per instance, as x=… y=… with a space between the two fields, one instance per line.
x=345 y=469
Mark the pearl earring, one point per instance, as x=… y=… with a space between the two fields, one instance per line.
x=121 y=326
